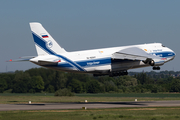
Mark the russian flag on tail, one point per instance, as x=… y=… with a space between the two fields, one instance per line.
x=45 y=36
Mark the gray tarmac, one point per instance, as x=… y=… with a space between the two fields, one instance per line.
x=89 y=105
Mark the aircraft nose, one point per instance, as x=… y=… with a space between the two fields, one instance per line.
x=173 y=54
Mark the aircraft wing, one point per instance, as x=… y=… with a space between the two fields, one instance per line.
x=135 y=53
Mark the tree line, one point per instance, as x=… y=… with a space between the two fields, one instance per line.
x=46 y=80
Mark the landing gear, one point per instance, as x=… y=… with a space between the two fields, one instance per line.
x=97 y=75
x=113 y=74
x=156 y=68
x=118 y=73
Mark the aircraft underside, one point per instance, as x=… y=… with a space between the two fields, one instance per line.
x=115 y=68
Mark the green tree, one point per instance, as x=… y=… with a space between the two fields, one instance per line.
x=21 y=81
x=37 y=83
x=20 y=87
x=110 y=86
x=92 y=86
x=59 y=80
x=75 y=86
x=154 y=89
x=175 y=86
x=63 y=92
x=50 y=89
x=143 y=78
x=3 y=85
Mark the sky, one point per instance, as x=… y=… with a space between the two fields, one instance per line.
x=88 y=24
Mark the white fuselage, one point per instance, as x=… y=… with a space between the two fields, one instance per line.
x=114 y=61
x=101 y=61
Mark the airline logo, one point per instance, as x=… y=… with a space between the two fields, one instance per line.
x=45 y=36
x=49 y=44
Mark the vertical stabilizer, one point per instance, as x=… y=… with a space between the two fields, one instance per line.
x=44 y=42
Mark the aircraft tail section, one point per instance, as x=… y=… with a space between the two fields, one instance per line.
x=44 y=42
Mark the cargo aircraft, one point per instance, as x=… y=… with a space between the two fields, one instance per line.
x=113 y=61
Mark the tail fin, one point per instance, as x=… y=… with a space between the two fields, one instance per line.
x=44 y=43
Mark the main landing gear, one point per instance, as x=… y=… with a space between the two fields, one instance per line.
x=113 y=74
x=118 y=73
x=156 y=68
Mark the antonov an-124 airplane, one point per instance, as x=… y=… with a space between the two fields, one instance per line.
x=113 y=61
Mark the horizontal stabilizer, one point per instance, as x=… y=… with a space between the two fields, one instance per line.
x=25 y=58
x=17 y=60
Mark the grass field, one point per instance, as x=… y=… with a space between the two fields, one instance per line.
x=9 y=98
x=164 y=113
x=151 y=113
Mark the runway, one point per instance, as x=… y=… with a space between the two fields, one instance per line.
x=89 y=105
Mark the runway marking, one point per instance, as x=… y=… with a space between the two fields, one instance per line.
x=94 y=106
x=144 y=109
x=108 y=109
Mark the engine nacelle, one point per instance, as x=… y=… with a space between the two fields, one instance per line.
x=155 y=62
x=151 y=62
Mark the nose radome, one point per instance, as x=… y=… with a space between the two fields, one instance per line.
x=173 y=54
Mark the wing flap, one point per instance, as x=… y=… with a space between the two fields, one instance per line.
x=119 y=55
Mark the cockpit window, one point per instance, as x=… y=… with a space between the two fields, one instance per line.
x=163 y=46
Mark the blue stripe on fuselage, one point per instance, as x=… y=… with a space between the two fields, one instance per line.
x=164 y=54
x=42 y=44
x=95 y=62
x=89 y=63
x=71 y=62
